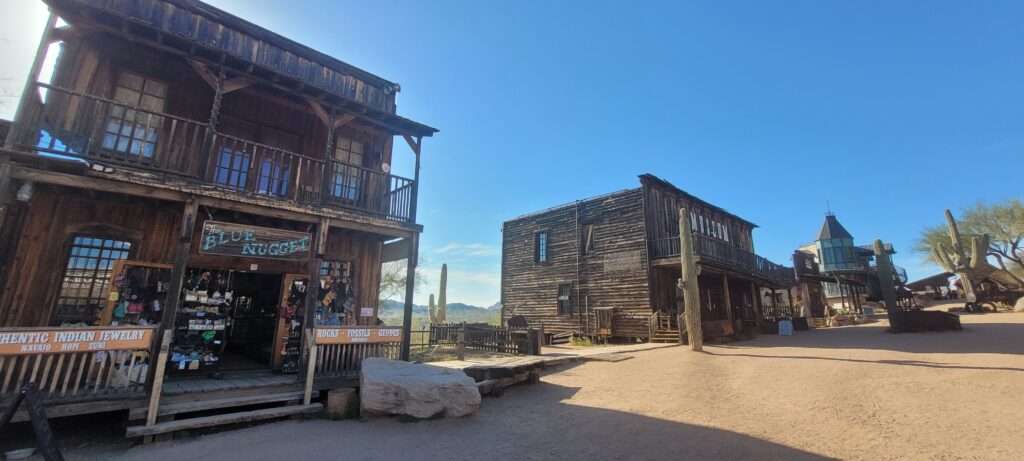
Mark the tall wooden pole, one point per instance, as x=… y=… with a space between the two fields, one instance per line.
x=689 y=284
x=410 y=288
x=727 y=297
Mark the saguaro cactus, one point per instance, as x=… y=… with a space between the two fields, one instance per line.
x=442 y=297
x=967 y=257
x=432 y=309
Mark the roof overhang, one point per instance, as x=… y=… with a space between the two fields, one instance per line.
x=203 y=33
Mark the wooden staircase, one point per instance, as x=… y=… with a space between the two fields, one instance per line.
x=664 y=328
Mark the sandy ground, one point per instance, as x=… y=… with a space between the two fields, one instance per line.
x=850 y=393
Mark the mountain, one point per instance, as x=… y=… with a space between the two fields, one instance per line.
x=391 y=313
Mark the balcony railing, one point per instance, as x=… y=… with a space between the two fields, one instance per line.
x=68 y=124
x=725 y=254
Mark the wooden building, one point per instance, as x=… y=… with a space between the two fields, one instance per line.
x=609 y=266
x=190 y=177
x=847 y=273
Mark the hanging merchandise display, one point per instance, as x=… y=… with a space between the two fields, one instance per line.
x=337 y=295
x=201 y=321
x=290 y=318
x=137 y=293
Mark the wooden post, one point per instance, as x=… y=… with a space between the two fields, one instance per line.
x=156 y=389
x=30 y=82
x=689 y=283
x=182 y=255
x=307 y=395
x=755 y=295
x=41 y=425
x=727 y=297
x=312 y=299
x=460 y=343
x=792 y=308
x=410 y=288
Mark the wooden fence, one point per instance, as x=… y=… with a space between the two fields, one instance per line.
x=478 y=337
x=340 y=351
x=75 y=364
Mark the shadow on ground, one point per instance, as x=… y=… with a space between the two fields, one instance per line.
x=999 y=338
x=530 y=422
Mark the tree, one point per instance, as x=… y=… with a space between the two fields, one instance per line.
x=1004 y=225
x=392 y=279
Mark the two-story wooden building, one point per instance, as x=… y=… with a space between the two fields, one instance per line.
x=184 y=173
x=610 y=265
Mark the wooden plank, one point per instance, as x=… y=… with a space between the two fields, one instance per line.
x=156 y=390
x=213 y=404
x=220 y=420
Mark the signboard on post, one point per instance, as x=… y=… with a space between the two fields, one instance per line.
x=58 y=340
x=231 y=239
x=352 y=335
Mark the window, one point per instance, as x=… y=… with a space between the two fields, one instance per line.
x=129 y=130
x=588 y=239
x=346 y=174
x=540 y=247
x=565 y=298
x=232 y=167
x=273 y=178
x=83 y=290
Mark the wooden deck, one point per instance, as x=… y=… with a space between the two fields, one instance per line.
x=230 y=382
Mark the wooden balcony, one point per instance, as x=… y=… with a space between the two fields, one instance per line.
x=71 y=125
x=724 y=254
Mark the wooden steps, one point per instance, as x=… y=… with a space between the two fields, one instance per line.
x=224 y=419
x=665 y=336
x=172 y=407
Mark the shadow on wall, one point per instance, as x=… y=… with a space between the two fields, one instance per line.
x=530 y=422
x=975 y=338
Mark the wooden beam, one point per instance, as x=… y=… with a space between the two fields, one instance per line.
x=237 y=83
x=88 y=182
x=343 y=120
x=318 y=110
x=689 y=283
x=204 y=71
x=414 y=144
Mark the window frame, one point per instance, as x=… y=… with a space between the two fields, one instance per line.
x=565 y=306
x=142 y=147
x=97 y=281
x=542 y=252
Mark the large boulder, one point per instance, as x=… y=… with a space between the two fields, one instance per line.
x=1019 y=305
x=391 y=387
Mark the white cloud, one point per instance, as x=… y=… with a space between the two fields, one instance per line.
x=467 y=249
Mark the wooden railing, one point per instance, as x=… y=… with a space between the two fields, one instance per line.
x=76 y=363
x=724 y=253
x=67 y=124
x=340 y=351
x=479 y=337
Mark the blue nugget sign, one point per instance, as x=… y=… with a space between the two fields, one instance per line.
x=230 y=239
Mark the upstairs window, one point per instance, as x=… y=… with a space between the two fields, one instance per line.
x=84 y=287
x=346 y=173
x=540 y=247
x=565 y=299
x=129 y=130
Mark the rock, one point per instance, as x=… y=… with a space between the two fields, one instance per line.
x=342 y=403
x=391 y=387
x=1019 y=305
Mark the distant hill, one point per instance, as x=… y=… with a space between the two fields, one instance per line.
x=391 y=313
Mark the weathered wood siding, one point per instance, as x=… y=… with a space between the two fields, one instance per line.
x=52 y=217
x=612 y=274
x=40 y=233
x=91 y=64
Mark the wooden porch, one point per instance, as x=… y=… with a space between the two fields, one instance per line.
x=81 y=371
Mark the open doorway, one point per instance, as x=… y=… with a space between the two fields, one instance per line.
x=252 y=322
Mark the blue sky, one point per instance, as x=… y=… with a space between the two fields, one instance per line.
x=769 y=109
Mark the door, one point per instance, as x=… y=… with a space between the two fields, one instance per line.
x=288 y=336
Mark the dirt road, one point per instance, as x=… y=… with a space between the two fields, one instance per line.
x=850 y=393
